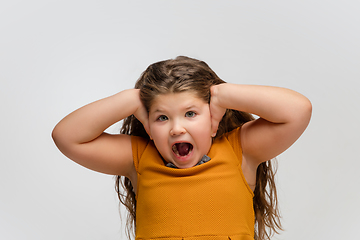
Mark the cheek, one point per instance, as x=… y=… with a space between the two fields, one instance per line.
x=206 y=125
x=158 y=133
x=203 y=130
x=153 y=128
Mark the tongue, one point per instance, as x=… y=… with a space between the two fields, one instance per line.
x=183 y=148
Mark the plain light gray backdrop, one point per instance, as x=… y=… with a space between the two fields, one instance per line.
x=56 y=56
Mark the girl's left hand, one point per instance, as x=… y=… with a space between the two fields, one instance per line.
x=216 y=111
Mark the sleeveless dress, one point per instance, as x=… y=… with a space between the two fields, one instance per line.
x=208 y=201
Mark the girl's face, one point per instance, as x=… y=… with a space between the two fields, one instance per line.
x=180 y=126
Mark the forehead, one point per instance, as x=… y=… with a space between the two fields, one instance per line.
x=176 y=100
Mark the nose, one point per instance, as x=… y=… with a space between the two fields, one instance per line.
x=177 y=129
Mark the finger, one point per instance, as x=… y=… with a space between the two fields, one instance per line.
x=145 y=123
x=214 y=127
x=142 y=115
x=147 y=128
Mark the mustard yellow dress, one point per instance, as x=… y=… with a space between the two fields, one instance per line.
x=208 y=201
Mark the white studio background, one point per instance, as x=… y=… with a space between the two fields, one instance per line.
x=56 y=56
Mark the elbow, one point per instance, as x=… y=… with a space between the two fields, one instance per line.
x=304 y=111
x=307 y=108
x=55 y=135
x=300 y=112
x=59 y=137
x=61 y=140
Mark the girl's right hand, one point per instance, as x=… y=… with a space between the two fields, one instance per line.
x=143 y=116
x=81 y=137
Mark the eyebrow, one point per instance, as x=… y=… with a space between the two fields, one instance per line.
x=157 y=110
x=191 y=106
x=186 y=108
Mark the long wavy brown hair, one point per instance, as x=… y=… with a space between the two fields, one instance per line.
x=188 y=74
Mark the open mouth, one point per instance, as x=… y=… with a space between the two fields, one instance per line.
x=182 y=149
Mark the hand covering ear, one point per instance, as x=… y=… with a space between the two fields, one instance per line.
x=216 y=111
x=142 y=115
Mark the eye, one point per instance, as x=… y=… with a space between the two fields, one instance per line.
x=190 y=114
x=162 y=118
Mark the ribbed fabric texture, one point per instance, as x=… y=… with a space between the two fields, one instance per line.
x=209 y=201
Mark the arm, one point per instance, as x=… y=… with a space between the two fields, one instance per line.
x=80 y=135
x=284 y=115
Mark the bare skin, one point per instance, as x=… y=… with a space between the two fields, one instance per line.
x=284 y=115
x=80 y=135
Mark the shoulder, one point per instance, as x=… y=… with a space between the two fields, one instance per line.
x=234 y=137
x=139 y=143
x=248 y=166
x=138 y=146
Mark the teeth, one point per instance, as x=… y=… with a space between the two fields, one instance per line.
x=174 y=148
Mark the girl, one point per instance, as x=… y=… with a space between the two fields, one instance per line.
x=195 y=162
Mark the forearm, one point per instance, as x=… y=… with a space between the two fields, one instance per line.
x=89 y=122
x=277 y=105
